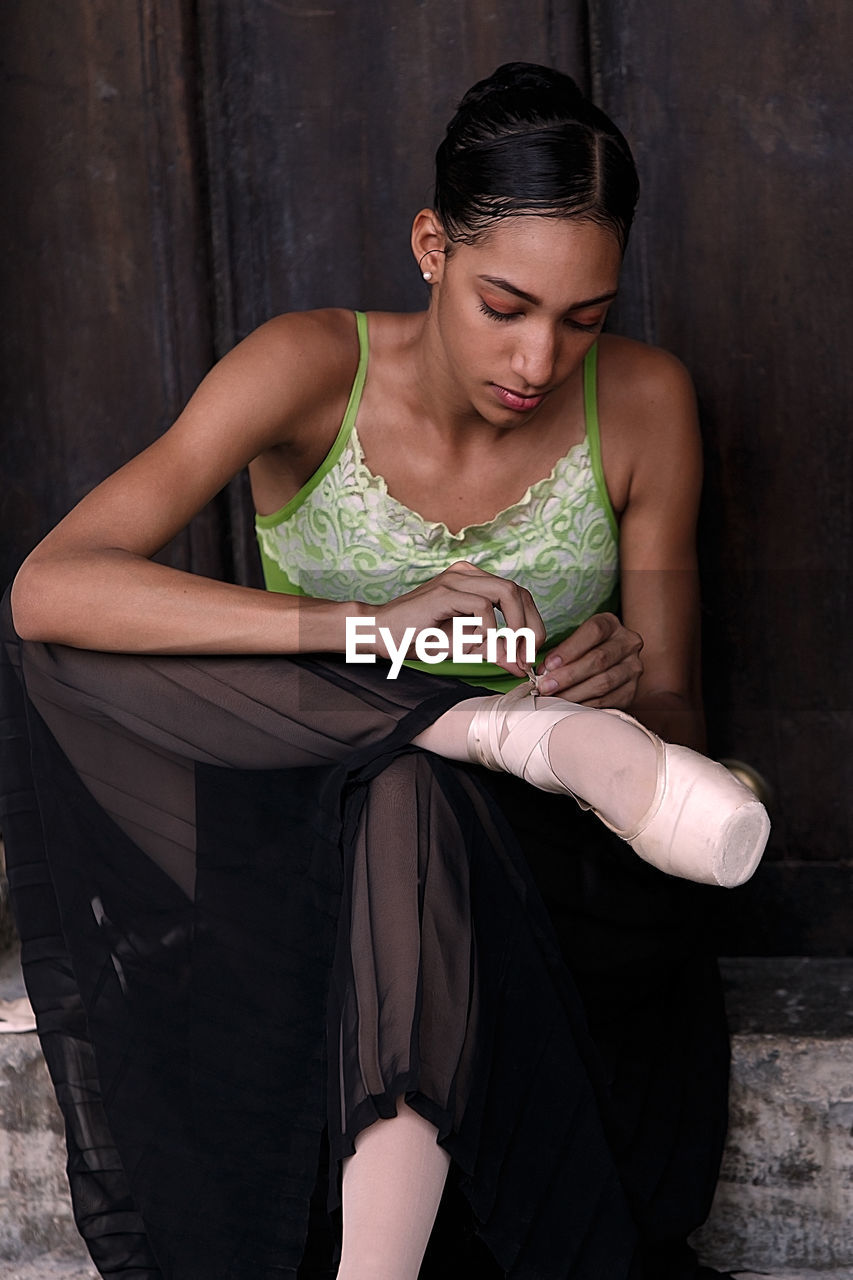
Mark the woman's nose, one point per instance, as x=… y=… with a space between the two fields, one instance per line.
x=534 y=358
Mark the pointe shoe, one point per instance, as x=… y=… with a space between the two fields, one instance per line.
x=702 y=823
x=523 y=751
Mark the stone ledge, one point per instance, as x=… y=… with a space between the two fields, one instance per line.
x=790 y=995
x=35 y=1207
x=845 y=1274
x=56 y=1265
x=785 y=1196
x=785 y=1199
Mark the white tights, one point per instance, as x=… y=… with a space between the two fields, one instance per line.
x=391 y=1191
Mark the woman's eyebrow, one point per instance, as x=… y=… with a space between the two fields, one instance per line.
x=507 y=287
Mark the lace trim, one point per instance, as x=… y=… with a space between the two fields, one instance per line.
x=367 y=480
x=351 y=540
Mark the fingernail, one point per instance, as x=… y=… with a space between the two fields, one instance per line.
x=547 y=686
x=553 y=662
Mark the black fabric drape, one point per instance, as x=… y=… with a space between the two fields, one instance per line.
x=219 y=864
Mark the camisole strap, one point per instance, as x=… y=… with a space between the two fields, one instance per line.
x=350 y=415
x=590 y=406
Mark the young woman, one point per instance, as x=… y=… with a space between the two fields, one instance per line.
x=275 y=881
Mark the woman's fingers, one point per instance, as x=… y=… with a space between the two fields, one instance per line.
x=515 y=603
x=598 y=665
x=464 y=591
x=601 y=693
x=515 y=652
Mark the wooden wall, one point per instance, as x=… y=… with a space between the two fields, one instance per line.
x=740 y=113
x=175 y=171
x=106 y=325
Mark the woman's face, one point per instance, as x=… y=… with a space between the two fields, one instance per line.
x=517 y=311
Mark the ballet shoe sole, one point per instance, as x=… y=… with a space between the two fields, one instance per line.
x=742 y=849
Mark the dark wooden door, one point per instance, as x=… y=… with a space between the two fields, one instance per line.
x=741 y=115
x=104 y=276
x=175 y=171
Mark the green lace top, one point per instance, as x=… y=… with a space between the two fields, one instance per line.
x=344 y=537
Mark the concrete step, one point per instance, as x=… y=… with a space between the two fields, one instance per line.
x=35 y=1210
x=57 y=1265
x=784 y=1206
x=845 y=1274
x=785 y=1196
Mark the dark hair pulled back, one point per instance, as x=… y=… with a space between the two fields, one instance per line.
x=527 y=141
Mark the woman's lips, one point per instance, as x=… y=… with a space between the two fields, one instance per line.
x=513 y=400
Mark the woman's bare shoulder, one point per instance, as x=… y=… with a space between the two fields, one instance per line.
x=311 y=332
x=645 y=393
x=635 y=369
x=307 y=355
x=276 y=385
x=649 y=423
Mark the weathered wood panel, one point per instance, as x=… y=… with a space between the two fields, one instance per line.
x=106 y=319
x=322 y=123
x=175 y=171
x=740 y=114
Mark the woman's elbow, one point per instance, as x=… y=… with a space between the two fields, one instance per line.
x=33 y=599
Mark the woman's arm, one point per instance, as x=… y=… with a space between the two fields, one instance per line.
x=91 y=583
x=650 y=663
x=659 y=571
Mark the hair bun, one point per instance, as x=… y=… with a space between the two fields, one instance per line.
x=524 y=79
x=526 y=139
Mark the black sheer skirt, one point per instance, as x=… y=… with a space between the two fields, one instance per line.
x=253 y=915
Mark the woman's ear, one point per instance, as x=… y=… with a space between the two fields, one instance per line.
x=428 y=244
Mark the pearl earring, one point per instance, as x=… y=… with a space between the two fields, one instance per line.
x=427 y=275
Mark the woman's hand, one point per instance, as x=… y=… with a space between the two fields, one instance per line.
x=461 y=591
x=598 y=665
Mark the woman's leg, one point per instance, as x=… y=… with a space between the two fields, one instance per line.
x=608 y=762
x=391 y=1191
x=683 y=813
x=276 y=713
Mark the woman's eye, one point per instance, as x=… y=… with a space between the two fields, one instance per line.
x=496 y=315
x=591 y=326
